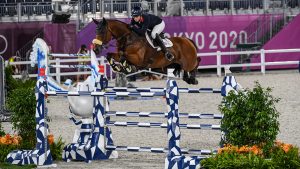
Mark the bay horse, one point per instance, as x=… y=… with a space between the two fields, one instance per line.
x=134 y=52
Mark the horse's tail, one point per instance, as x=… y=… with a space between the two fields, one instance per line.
x=198 y=58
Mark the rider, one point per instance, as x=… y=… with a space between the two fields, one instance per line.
x=141 y=22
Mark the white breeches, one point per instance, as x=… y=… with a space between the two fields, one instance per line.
x=158 y=29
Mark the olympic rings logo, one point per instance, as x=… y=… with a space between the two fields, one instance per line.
x=6 y=44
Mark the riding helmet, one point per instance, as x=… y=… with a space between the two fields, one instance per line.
x=136 y=11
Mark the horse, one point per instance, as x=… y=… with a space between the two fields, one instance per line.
x=134 y=52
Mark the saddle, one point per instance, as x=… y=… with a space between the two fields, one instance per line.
x=167 y=42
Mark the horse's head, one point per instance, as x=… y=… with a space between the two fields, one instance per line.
x=103 y=34
x=109 y=29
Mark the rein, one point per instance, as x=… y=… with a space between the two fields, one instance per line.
x=114 y=37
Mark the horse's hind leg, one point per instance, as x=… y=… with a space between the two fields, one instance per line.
x=186 y=77
x=190 y=77
x=177 y=70
x=193 y=79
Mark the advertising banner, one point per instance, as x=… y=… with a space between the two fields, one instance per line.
x=61 y=38
x=13 y=36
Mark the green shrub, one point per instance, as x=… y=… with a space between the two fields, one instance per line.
x=56 y=149
x=13 y=166
x=9 y=143
x=283 y=156
x=2 y=133
x=250 y=123
x=12 y=84
x=250 y=118
x=22 y=103
x=5 y=150
x=233 y=160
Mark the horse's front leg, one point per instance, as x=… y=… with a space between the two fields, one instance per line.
x=127 y=67
x=123 y=67
x=111 y=57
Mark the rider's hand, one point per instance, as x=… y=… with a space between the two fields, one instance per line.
x=130 y=27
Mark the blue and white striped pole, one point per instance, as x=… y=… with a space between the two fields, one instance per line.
x=175 y=159
x=41 y=155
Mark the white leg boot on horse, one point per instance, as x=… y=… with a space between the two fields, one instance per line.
x=127 y=68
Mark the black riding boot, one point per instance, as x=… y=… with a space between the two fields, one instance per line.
x=160 y=43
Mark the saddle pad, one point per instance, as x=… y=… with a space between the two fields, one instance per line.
x=166 y=42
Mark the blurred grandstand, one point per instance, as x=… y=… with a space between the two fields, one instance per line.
x=83 y=10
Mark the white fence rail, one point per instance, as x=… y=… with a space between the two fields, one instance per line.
x=262 y=63
x=58 y=64
x=218 y=66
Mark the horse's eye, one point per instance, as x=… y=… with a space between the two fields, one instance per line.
x=99 y=30
x=102 y=30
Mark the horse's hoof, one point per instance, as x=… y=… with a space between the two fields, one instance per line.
x=124 y=70
x=195 y=82
x=191 y=81
x=129 y=69
x=186 y=80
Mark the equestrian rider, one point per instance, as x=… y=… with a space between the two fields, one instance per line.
x=141 y=22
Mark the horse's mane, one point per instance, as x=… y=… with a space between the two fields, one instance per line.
x=119 y=21
x=134 y=34
x=113 y=20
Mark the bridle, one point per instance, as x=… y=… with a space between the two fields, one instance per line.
x=114 y=36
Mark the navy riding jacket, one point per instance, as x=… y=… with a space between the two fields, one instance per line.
x=147 y=21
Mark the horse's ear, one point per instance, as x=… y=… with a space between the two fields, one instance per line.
x=104 y=22
x=95 y=21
